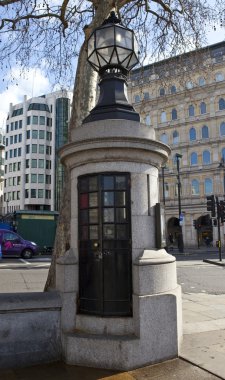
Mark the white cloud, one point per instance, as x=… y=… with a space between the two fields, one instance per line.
x=32 y=83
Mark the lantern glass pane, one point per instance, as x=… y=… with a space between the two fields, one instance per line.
x=102 y=61
x=105 y=37
x=93 y=59
x=106 y=53
x=124 y=37
x=125 y=63
x=91 y=44
x=133 y=61
x=123 y=54
x=114 y=59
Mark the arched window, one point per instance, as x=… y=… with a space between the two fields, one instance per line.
x=162 y=92
x=166 y=189
x=137 y=98
x=206 y=159
x=221 y=104
x=194 y=158
x=205 y=132
x=173 y=89
x=175 y=137
x=163 y=117
x=164 y=138
x=174 y=114
x=208 y=186
x=219 y=77
x=191 y=110
x=223 y=154
x=147 y=119
x=146 y=96
x=222 y=129
x=189 y=85
x=202 y=108
x=192 y=134
x=201 y=81
x=195 y=187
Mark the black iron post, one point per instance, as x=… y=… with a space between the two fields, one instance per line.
x=180 y=236
x=163 y=183
x=218 y=225
x=7 y=206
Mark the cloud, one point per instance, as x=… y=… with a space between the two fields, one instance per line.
x=32 y=83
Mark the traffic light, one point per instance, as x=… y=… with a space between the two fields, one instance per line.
x=211 y=205
x=221 y=210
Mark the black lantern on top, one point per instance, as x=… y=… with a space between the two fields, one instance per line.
x=113 y=52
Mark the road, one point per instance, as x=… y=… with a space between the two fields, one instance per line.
x=195 y=276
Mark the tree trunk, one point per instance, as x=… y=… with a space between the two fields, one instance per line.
x=84 y=96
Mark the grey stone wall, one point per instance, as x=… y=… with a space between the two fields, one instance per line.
x=29 y=328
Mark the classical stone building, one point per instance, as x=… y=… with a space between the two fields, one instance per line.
x=183 y=98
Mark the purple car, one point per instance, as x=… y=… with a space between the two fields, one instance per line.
x=14 y=245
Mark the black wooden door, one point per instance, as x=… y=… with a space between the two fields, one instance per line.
x=104 y=244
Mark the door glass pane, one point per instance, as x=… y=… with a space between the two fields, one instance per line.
x=108 y=244
x=121 y=231
x=84 y=201
x=83 y=184
x=93 y=184
x=93 y=231
x=108 y=182
x=108 y=231
x=108 y=198
x=93 y=199
x=84 y=217
x=120 y=182
x=84 y=233
x=108 y=215
x=120 y=198
x=121 y=215
x=93 y=216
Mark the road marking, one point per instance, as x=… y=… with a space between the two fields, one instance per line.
x=24 y=261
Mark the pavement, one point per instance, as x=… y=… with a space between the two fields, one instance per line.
x=201 y=357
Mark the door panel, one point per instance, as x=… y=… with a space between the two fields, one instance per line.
x=104 y=244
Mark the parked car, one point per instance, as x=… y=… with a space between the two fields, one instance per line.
x=14 y=245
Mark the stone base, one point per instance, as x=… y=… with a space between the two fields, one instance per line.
x=155 y=338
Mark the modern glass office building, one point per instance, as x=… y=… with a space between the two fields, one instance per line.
x=35 y=130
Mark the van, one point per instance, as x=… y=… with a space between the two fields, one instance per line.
x=14 y=245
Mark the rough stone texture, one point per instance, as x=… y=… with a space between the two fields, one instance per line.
x=29 y=329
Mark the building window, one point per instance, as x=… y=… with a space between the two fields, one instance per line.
x=28 y=135
x=11 y=126
x=16 y=125
x=14 y=166
x=11 y=153
x=40 y=193
x=194 y=158
x=19 y=152
x=41 y=134
x=40 y=178
x=48 y=194
x=11 y=140
x=221 y=104
x=174 y=114
x=205 y=132
x=35 y=120
x=33 y=178
x=18 y=165
x=222 y=129
x=148 y=120
x=20 y=137
x=18 y=180
x=49 y=136
x=33 y=163
x=48 y=149
x=223 y=154
x=201 y=81
x=164 y=138
x=27 y=149
x=28 y=120
x=33 y=193
x=208 y=186
x=7 y=128
x=49 y=122
x=189 y=85
x=48 y=179
x=26 y=193
x=27 y=164
x=41 y=164
x=202 y=108
x=34 y=148
x=137 y=99
x=192 y=134
x=146 y=96
x=195 y=187
x=206 y=159
x=42 y=120
x=20 y=124
x=219 y=77
x=48 y=164
x=27 y=178
x=163 y=117
x=41 y=149
x=34 y=134
x=173 y=89
x=18 y=195
x=191 y=110
x=175 y=137
x=162 y=92
x=166 y=190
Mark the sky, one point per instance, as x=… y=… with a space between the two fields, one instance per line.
x=35 y=83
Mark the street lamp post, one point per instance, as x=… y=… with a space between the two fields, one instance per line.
x=180 y=236
x=7 y=206
x=163 y=183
